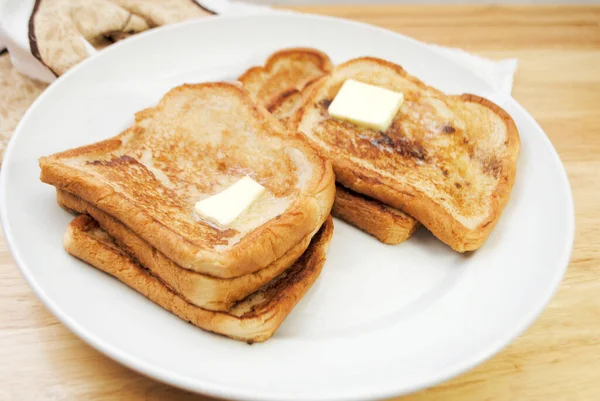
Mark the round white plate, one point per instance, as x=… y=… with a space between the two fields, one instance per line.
x=380 y=321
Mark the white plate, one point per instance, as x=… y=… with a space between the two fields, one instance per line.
x=380 y=321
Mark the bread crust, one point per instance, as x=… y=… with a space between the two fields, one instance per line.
x=197 y=252
x=253 y=319
x=394 y=192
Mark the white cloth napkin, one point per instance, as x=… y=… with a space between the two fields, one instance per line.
x=14 y=31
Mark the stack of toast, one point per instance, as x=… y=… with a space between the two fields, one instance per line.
x=445 y=162
x=136 y=194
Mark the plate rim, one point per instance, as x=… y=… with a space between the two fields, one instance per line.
x=207 y=387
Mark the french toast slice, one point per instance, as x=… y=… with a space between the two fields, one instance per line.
x=279 y=86
x=197 y=141
x=448 y=161
x=253 y=319
x=205 y=291
x=284 y=71
x=387 y=224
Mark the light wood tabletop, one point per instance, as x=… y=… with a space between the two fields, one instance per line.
x=558 y=358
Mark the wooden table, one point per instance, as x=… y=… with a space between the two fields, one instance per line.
x=558 y=358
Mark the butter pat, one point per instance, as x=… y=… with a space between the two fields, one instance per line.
x=226 y=206
x=366 y=105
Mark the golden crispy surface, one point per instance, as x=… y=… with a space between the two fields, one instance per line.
x=280 y=86
x=449 y=161
x=205 y=291
x=197 y=141
x=253 y=319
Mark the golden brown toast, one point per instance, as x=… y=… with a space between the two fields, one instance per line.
x=197 y=141
x=279 y=86
x=284 y=71
x=448 y=161
x=388 y=225
x=253 y=319
x=212 y=293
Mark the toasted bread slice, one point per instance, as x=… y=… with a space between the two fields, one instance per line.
x=448 y=161
x=197 y=141
x=253 y=319
x=279 y=86
x=284 y=71
x=212 y=293
x=385 y=223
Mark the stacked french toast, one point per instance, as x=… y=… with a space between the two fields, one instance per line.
x=216 y=203
x=137 y=192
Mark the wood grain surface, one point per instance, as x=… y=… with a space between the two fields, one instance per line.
x=558 y=358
